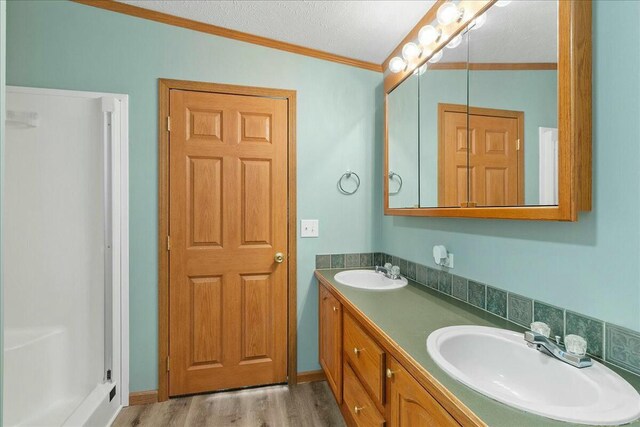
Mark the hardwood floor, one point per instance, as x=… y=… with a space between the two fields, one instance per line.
x=310 y=404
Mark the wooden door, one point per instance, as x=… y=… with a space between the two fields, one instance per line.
x=410 y=404
x=227 y=221
x=482 y=160
x=452 y=167
x=331 y=341
x=494 y=166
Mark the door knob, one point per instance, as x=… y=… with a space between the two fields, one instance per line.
x=279 y=257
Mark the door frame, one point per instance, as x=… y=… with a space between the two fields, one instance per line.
x=164 y=88
x=444 y=108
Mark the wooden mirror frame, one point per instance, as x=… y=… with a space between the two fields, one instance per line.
x=574 y=120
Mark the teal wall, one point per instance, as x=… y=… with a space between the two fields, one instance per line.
x=591 y=266
x=403 y=143
x=65 y=45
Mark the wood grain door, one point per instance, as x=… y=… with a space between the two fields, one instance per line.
x=453 y=151
x=481 y=157
x=410 y=404
x=227 y=221
x=494 y=166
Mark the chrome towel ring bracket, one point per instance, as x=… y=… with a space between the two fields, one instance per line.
x=348 y=175
x=392 y=175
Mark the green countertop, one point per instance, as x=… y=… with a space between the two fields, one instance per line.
x=408 y=315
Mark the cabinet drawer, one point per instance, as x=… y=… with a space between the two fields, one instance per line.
x=366 y=357
x=356 y=399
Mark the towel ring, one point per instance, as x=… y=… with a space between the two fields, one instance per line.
x=347 y=175
x=392 y=175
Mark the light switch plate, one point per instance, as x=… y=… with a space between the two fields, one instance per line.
x=309 y=228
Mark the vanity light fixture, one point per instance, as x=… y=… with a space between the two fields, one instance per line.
x=502 y=3
x=477 y=23
x=436 y=57
x=455 y=42
x=411 y=51
x=449 y=13
x=429 y=34
x=397 y=64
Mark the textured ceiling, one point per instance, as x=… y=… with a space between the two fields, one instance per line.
x=523 y=31
x=364 y=30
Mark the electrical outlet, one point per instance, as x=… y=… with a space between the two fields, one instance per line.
x=309 y=228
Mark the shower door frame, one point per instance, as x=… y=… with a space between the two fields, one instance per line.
x=119 y=227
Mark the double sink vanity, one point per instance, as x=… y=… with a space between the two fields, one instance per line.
x=397 y=353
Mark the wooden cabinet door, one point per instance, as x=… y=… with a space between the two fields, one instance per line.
x=410 y=404
x=331 y=340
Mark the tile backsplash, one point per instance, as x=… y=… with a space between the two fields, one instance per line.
x=615 y=344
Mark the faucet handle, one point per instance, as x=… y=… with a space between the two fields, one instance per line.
x=541 y=328
x=395 y=271
x=388 y=266
x=575 y=344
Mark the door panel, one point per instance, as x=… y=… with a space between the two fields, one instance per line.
x=228 y=218
x=495 y=159
x=482 y=162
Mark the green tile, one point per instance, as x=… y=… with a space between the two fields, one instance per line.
x=497 y=301
x=337 y=261
x=520 y=309
x=459 y=287
x=552 y=316
x=432 y=278
x=323 y=261
x=590 y=329
x=477 y=294
x=421 y=274
x=378 y=259
x=395 y=260
x=623 y=347
x=403 y=264
x=352 y=260
x=411 y=270
x=388 y=259
x=366 y=260
x=444 y=282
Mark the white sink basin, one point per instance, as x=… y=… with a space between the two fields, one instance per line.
x=369 y=279
x=499 y=364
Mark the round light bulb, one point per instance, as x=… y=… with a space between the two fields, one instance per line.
x=437 y=57
x=448 y=13
x=420 y=70
x=397 y=64
x=428 y=34
x=502 y=3
x=479 y=21
x=411 y=51
x=455 y=42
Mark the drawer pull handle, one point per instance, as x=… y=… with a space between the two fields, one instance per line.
x=357 y=409
x=335 y=308
x=390 y=373
x=357 y=351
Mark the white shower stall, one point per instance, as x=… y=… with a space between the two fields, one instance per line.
x=65 y=249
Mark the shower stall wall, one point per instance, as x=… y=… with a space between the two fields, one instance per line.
x=65 y=248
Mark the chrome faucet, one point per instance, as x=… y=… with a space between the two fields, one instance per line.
x=545 y=345
x=387 y=272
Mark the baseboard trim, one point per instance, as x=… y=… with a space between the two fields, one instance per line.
x=143 y=397
x=151 y=396
x=311 y=376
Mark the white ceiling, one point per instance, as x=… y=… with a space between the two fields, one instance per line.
x=523 y=31
x=364 y=30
